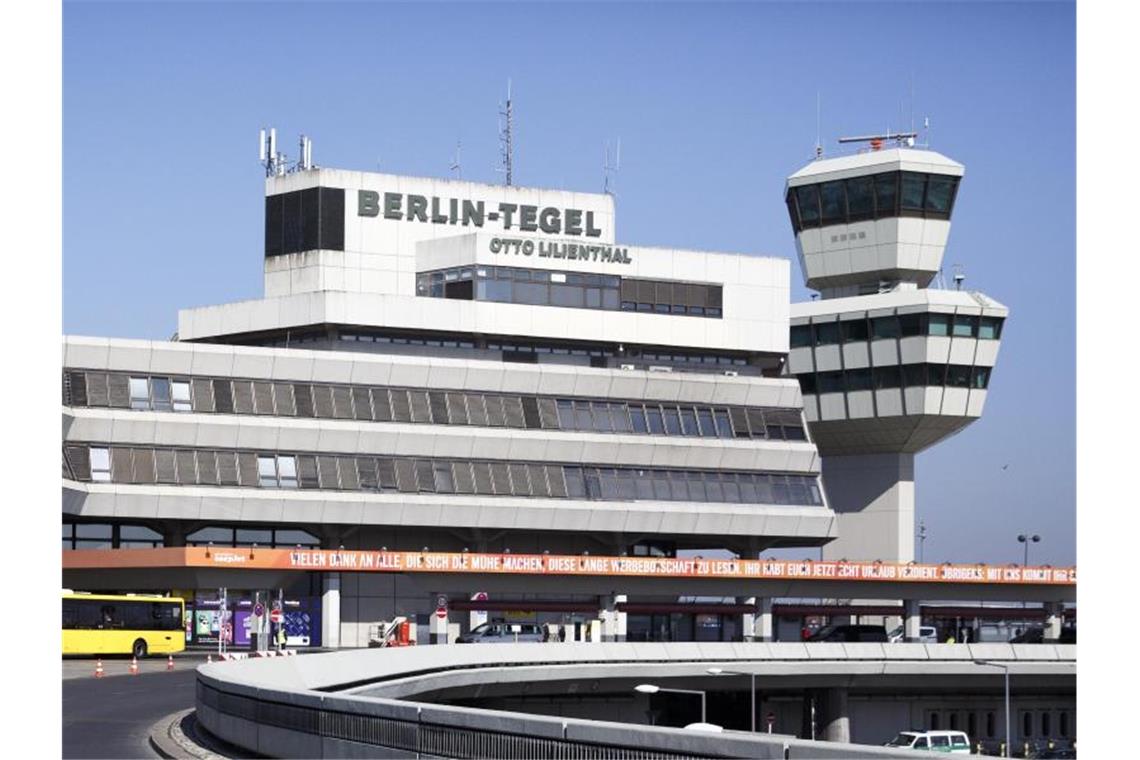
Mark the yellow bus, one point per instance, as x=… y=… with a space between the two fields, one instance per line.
x=134 y=624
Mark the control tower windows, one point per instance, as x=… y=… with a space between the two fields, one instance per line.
x=886 y=195
x=801 y=336
x=939 y=194
x=878 y=196
x=905 y=376
x=807 y=200
x=854 y=330
x=860 y=198
x=832 y=203
x=885 y=327
x=887 y=377
x=939 y=324
x=990 y=328
x=965 y=326
x=912 y=191
x=826 y=333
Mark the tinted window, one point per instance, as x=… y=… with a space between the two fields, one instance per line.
x=854 y=330
x=886 y=194
x=832 y=202
x=801 y=336
x=939 y=324
x=885 y=327
x=808 y=200
x=990 y=328
x=860 y=201
x=826 y=333
x=939 y=194
x=912 y=191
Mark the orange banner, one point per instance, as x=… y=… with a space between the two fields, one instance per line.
x=553 y=564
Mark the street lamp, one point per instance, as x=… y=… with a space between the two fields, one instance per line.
x=1005 y=668
x=722 y=671
x=649 y=688
x=1026 y=539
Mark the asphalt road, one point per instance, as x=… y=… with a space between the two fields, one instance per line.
x=111 y=717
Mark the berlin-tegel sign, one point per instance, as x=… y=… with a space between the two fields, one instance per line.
x=552 y=564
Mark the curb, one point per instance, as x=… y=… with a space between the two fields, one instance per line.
x=176 y=737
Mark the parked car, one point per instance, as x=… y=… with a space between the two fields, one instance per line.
x=927 y=634
x=955 y=742
x=872 y=633
x=501 y=633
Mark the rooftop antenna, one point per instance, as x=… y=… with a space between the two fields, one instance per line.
x=876 y=141
x=305 y=151
x=610 y=166
x=506 y=137
x=455 y=167
x=959 y=277
x=273 y=161
x=818 y=139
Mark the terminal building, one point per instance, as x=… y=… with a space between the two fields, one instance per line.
x=448 y=366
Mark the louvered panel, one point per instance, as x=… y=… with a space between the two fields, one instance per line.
x=283 y=400
x=77 y=388
x=97 y=389
x=556 y=481
x=530 y=412
x=406 y=476
x=243 y=397
x=349 y=480
x=303 y=400
x=203 y=398
x=223 y=397
x=476 y=410
x=420 y=409
x=500 y=478
x=739 y=421
x=464 y=480
x=548 y=413
x=646 y=291
x=323 y=401
x=247 y=469
x=207 y=468
x=482 y=471
x=326 y=466
x=66 y=474
x=437 y=402
x=80 y=461
x=520 y=482
x=425 y=479
x=142 y=465
x=537 y=480
x=783 y=417
x=495 y=417
x=262 y=397
x=187 y=465
x=386 y=471
x=756 y=422
x=342 y=403
x=120 y=465
x=513 y=410
x=401 y=409
x=629 y=290
x=456 y=409
x=366 y=468
x=227 y=468
x=361 y=405
x=307 y=471
x=119 y=390
x=381 y=405
x=164 y=466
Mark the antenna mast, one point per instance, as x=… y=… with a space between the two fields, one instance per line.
x=267 y=154
x=506 y=137
x=455 y=167
x=610 y=167
x=818 y=140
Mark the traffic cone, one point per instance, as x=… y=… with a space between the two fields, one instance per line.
x=209 y=659
x=169 y=663
x=134 y=666
x=99 y=668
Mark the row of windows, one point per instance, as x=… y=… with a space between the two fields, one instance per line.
x=442 y=476
x=896 y=376
x=896 y=326
x=128 y=615
x=119 y=536
x=225 y=396
x=541 y=287
x=876 y=196
x=1044 y=724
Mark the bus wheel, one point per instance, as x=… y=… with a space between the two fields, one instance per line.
x=138 y=649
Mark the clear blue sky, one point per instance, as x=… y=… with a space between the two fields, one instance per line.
x=714 y=104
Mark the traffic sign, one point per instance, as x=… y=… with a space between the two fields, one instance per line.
x=276 y=616
x=441 y=613
x=441 y=601
x=258 y=609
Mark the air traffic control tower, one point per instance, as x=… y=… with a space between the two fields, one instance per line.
x=888 y=365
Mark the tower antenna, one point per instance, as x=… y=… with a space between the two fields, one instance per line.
x=273 y=161
x=610 y=166
x=455 y=166
x=818 y=138
x=506 y=137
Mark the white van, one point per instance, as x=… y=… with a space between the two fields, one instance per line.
x=955 y=742
x=927 y=634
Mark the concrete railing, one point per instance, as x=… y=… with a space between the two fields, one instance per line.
x=317 y=706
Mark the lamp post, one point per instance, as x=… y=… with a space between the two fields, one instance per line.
x=649 y=688
x=722 y=671
x=1008 y=746
x=1025 y=538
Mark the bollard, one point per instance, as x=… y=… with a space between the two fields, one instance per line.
x=99 y=668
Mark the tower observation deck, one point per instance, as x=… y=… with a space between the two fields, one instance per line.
x=888 y=365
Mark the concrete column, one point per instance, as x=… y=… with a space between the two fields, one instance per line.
x=913 y=620
x=763 y=629
x=568 y=628
x=619 y=617
x=330 y=610
x=437 y=627
x=1054 y=619
x=748 y=619
x=173 y=535
x=873 y=497
x=613 y=620
x=834 y=720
